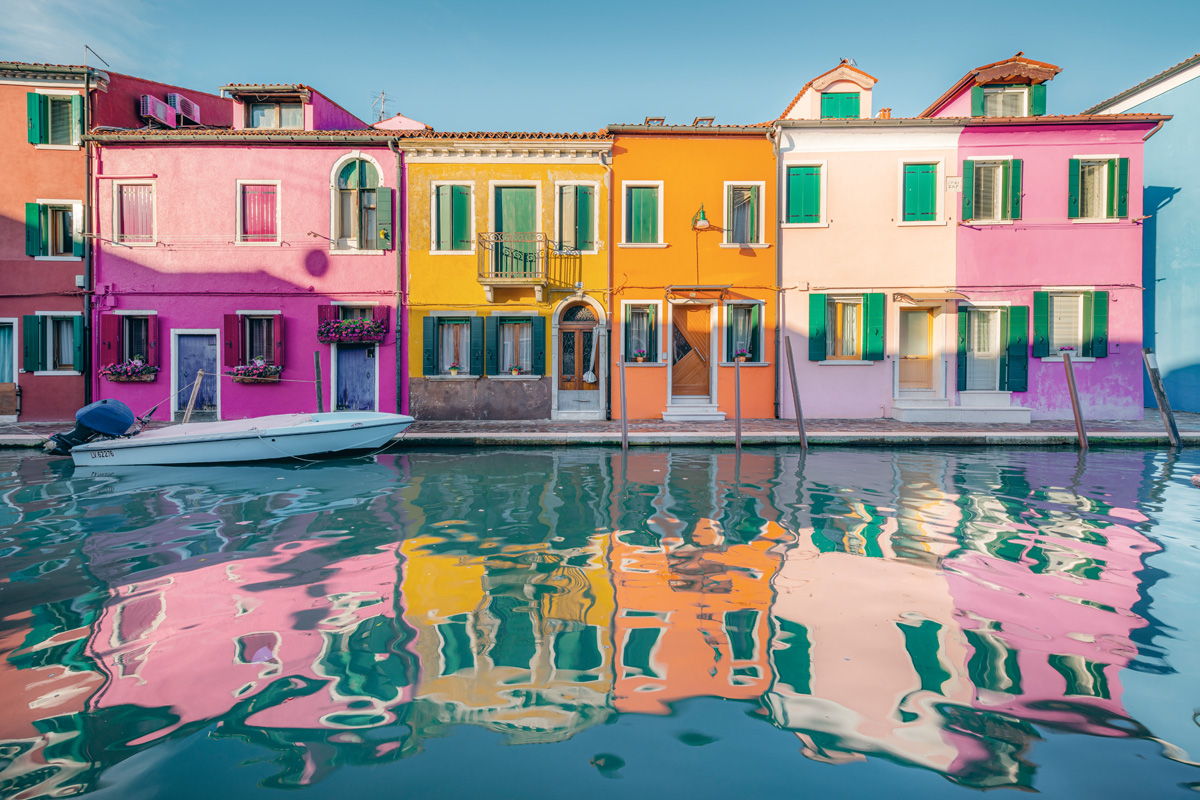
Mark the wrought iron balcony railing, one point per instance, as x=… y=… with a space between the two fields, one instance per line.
x=524 y=259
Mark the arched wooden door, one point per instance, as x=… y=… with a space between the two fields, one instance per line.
x=578 y=361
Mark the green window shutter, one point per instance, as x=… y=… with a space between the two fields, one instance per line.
x=462 y=214
x=76 y=118
x=817 y=349
x=1111 y=189
x=1017 y=376
x=585 y=236
x=850 y=105
x=910 y=192
x=873 y=305
x=652 y=334
x=1015 y=187
x=35 y=109
x=33 y=230
x=444 y=221
x=961 y=361
x=968 y=190
x=383 y=214
x=804 y=194
x=429 y=334
x=1037 y=100
x=77 y=235
x=33 y=349
x=477 y=340
x=539 y=345
x=1122 y=187
x=1041 y=324
x=1088 y=301
x=794 y=200
x=755 y=333
x=1100 y=324
x=754 y=237
x=1002 y=377
x=1072 y=196
x=729 y=215
x=641 y=225
x=80 y=346
x=728 y=333
x=491 y=347
x=976 y=101
x=627 y=351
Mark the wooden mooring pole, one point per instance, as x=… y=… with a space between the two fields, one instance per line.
x=192 y=400
x=624 y=410
x=1079 y=429
x=1160 y=397
x=737 y=404
x=320 y=390
x=796 y=395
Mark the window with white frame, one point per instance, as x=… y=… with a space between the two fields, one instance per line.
x=743 y=332
x=576 y=217
x=1066 y=323
x=134 y=211
x=258 y=213
x=516 y=344
x=454 y=345
x=288 y=115
x=452 y=218
x=844 y=326
x=1093 y=189
x=135 y=338
x=52 y=229
x=55 y=119
x=642 y=214
x=260 y=338
x=8 y=340
x=356 y=216
x=989 y=190
x=641 y=341
x=743 y=214
x=60 y=344
x=1005 y=101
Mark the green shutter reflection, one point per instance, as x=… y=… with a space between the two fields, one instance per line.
x=792 y=656
x=922 y=641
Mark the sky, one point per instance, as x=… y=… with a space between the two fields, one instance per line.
x=533 y=65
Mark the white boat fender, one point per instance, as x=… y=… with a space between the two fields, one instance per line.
x=1196 y=480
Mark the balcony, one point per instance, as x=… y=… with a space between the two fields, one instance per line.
x=515 y=260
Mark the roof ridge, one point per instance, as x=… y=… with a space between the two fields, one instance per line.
x=1153 y=79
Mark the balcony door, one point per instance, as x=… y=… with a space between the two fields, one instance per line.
x=516 y=216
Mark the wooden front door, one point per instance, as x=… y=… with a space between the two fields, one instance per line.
x=916 y=348
x=577 y=358
x=195 y=352
x=355 y=390
x=691 y=345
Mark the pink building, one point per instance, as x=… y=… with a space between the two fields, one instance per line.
x=242 y=251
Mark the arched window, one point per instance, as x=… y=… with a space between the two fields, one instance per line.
x=356 y=215
x=579 y=313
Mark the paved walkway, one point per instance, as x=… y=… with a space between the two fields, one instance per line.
x=1148 y=431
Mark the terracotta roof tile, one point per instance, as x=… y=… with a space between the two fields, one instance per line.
x=382 y=135
x=844 y=63
x=1166 y=73
x=965 y=79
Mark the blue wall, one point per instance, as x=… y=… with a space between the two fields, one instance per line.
x=1171 y=245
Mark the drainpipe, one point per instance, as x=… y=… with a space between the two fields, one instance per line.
x=606 y=160
x=85 y=227
x=773 y=137
x=401 y=245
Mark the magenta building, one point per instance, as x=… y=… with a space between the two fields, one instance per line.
x=243 y=251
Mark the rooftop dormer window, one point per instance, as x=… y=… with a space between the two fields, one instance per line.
x=284 y=114
x=840 y=105
x=1008 y=101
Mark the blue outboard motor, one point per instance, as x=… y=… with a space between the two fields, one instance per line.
x=101 y=418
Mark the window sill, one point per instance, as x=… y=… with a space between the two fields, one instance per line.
x=744 y=363
x=643 y=245
x=514 y=377
x=979 y=223
x=645 y=363
x=135 y=244
x=924 y=223
x=846 y=362
x=41 y=372
x=452 y=377
x=58 y=258
x=745 y=246
x=1097 y=220
x=1074 y=359
x=786 y=225
x=470 y=252
x=349 y=251
x=261 y=244
x=58 y=146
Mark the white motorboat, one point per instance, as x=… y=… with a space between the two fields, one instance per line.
x=279 y=436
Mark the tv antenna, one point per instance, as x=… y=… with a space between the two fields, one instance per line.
x=381 y=103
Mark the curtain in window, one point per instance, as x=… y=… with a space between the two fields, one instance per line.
x=135 y=218
x=639 y=331
x=291 y=115
x=262 y=115
x=455 y=346
x=1065 y=330
x=137 y=338
x=6 y=353
x=1092 y=191
x=742 y=331
x=261 y=344
x=346 y=214
x=844 y=325
x=258 y=213
x=983 y=350
x=742 y=213
x=64 y=343
x=516 y=346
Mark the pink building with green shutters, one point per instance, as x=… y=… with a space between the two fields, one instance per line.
x=242 y=252
x=944 y=262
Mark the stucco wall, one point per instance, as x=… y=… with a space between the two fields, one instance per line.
x=119 y=106
x=196 y=274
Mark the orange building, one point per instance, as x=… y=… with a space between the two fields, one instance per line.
x=694 y=269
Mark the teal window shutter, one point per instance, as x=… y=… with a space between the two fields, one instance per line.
x=728 y=333
x=35 y=109
x=1072 y=199
x=34 y=233
x=33 y=348
x=429 y=335
x=1017 y=375
x=462 y=214
x=77 y=237
x=477 y=340
x=1037 y=100
x=755 y=332
x=1111 y=189
x=76 y=118
x=539 y=345
x=585 y=236
x=804 y=194
x=840 y=105
x=873 y=305
x=1002 y=377
x=910 y=192
x=817 y=349
x=78 y=343
x=961 y=360
x=968 y=190
x=652 y=334
x=1041 y=324
x=445 y=218
x=641 y=214
x=1099 y=325
x=383 y=215
x=1015 y=187
x=627 y=351
x=1088 y=324
x=1122 y=187
x=920 y=192
x=491 y=347
x=976 y=101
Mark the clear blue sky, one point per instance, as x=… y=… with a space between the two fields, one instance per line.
x=553 y=66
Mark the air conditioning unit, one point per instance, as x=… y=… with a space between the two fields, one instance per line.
x=185 y=107
x=155 y=109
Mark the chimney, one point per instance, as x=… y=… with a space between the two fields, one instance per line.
x=884 y=113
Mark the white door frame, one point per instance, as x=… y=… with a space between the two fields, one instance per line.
x=713 y=344
x=333 y=356
x=599 y=344
x=16 y=358
x=175 y=333
x=937 y=354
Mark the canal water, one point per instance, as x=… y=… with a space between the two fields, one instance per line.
x=579 y=623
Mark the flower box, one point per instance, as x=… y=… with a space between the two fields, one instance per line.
x=351 y=331
x=130 y=378
x=257 y=372
x=134 y=371
x=255 y=379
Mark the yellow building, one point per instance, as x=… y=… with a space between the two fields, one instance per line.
x=507 y=237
